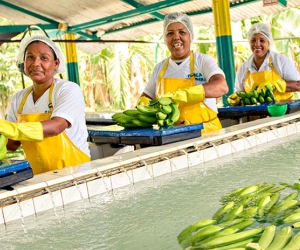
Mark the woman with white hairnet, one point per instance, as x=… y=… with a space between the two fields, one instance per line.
x=48 y=117
x=191 y=79
x=265 y=66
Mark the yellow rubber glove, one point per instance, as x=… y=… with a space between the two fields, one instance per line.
x=3 y=150
x=279 y=85
x=190 y=94
x=143 y=100
x=26 y=131
x=234 y=99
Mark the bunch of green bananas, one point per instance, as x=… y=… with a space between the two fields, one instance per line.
x=255 y=217
x=253 y=97
x=162 y=112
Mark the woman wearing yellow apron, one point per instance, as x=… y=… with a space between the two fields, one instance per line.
x=191 y=79
x=267 y=67
x=47 y=118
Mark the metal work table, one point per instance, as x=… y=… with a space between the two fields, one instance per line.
x=238 y=112
x=144 y=136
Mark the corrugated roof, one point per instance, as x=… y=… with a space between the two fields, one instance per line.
x=119 y=20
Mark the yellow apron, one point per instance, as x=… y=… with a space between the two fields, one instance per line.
x=52 y=153
x=191 y=112
x=254 y=79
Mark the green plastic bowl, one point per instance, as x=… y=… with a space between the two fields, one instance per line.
x=277 y=109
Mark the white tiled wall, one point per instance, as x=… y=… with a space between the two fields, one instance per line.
x=76 y=191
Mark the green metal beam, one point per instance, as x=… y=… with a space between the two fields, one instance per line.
x=140 y=9
x=131 y=13
x=137 y=5
x=30 y=13
x=192 y=13
x=282 y=2
x=22 y=28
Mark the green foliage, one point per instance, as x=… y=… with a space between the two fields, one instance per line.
x=115 y=67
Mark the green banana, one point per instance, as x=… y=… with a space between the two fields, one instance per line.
x=255 y=94
x=270 y=94
x=161 y=116
x=161 y=123
x=233 y=213
x=223 y=210
x=291 y=196
x=131 y=112
x=241 y=94
x=169 y=122
x=245 y=201
x=153 y=102
x=264 y=201
x=297 y=210
x=166 y=109
x=274 y=199
x=205 y=232
x=141 y=123
x=248 y=190
x=295 y=217
x=227 y=224
x=294 y=244
x=253 y=100
x=283 y=205
x=261 y=99
x=231 y=239
x=296 y=186
x=267 y=236
x=252 y=246
x=151 y=111
x=117 y=115
x=175 y=114
x=165 y=100
x=237 y=246
x=129 y=125
x=146 y=118
x=249 y=212
x=122 y=118
x=247 y=101
x=281 y=239
x=194 y=228
x=226 y=231
x=269 y=87
x=277 y=213
x=296 y=224
x=244 y=224
x=249 y=94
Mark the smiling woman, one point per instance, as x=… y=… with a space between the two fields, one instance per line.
x=266 y=67
x=191 y=79
x=47 y=118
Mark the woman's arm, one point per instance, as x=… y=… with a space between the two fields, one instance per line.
x=216 y=86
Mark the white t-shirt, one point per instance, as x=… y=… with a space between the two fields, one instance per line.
x=283 y=65
x=68 y=103
x=205 y=67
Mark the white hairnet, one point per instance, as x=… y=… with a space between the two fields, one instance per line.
x=260 y=28
x=28 y=40
x=181 y=18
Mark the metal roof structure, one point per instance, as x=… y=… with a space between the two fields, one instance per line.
x=107 y=21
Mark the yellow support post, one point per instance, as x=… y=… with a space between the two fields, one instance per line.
x=71 y=54
x=221 y=11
